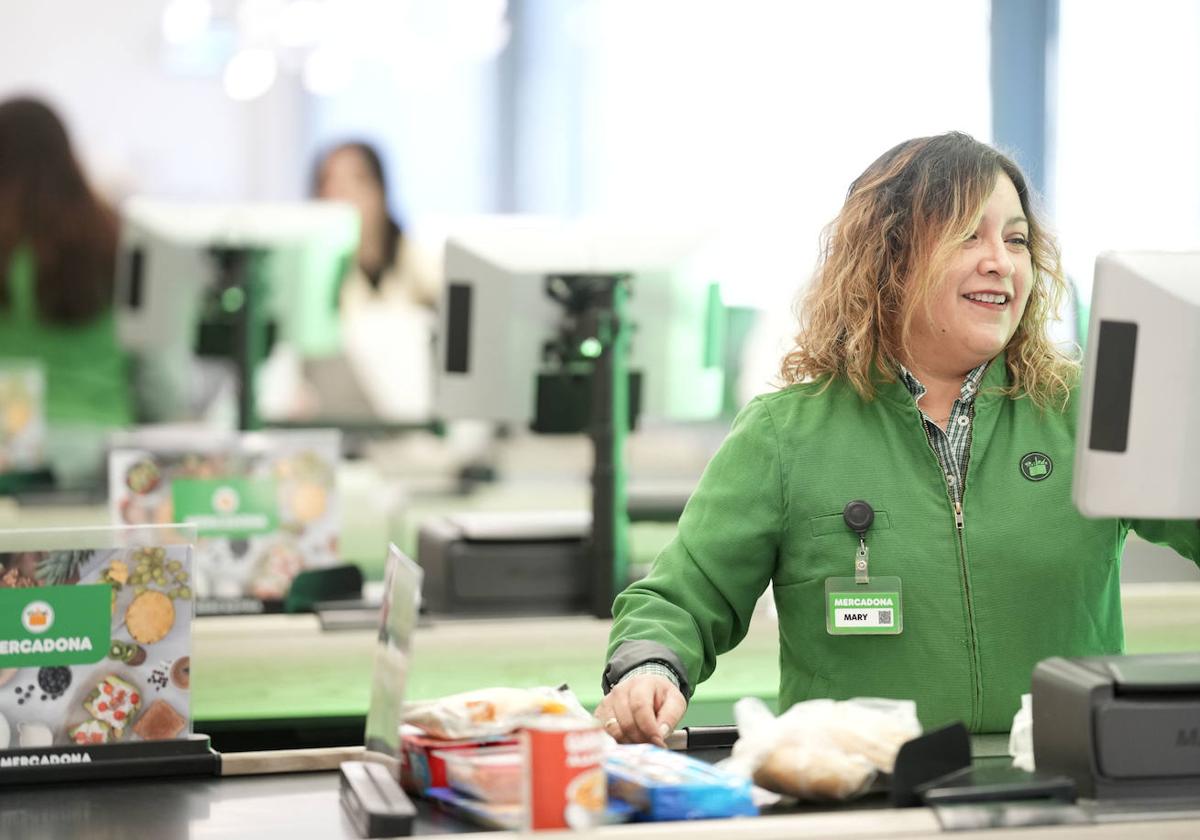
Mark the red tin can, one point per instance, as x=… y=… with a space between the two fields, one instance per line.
x=564 y=785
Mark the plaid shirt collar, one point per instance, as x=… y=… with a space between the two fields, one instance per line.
x=966 y=394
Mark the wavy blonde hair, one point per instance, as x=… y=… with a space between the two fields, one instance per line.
x=883 y=259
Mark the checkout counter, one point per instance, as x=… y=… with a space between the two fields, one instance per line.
x=296 y=677
x=299 y=806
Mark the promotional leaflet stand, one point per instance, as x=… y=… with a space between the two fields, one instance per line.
x=369 y=792
x=264 y=504
x=95 y=655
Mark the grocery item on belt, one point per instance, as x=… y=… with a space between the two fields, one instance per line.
x=489 y=814
x=489 y=711
x=491 y=773
x=422 y=763
x=814 y=772
x=821 y=749
x=665 y=785
x=563 y=782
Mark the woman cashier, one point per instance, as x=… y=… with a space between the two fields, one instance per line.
x=908 y=494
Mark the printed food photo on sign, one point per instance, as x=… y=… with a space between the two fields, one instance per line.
x=91 y=641
x=264 y=505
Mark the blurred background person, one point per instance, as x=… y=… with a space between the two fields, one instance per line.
x=386 y=267
x=386 y=300
x=58 y=242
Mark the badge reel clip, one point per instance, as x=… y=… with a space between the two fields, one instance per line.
x=862 y=605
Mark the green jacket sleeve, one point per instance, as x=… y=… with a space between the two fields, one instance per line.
x=699 y=596
x=1183 y=535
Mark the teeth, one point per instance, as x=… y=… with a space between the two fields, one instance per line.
x=987 y=298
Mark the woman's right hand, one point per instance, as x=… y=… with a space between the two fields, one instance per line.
x=642 y=709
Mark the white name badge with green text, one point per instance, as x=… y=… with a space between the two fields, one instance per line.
x=863 y=609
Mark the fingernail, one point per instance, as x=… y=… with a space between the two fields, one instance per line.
x=664 y=730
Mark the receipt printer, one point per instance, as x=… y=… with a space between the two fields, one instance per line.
x=1120 y=726
x=511 y=563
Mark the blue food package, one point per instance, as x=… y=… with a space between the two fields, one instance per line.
x=665 y=785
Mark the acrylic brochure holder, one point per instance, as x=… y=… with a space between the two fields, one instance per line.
x=95 y=655
x=265 y=506
x=397 y=622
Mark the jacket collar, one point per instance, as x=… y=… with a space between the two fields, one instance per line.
x=897 y=393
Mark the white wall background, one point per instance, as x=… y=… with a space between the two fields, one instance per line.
x=1127 y=160
x=146 y=118
x=752 y=115
x=749 y=117
x=138 y=127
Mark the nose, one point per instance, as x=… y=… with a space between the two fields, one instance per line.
x=996 y=259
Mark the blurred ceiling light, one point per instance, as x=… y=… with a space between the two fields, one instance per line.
x=484 y=32
x=184 y=21
x=258 y=21
x=302 y=23
x=484 y=29
x=327 y=71
x=250 y=74
x=258 y=40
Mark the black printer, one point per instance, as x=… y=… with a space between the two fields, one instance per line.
x=1121 y=726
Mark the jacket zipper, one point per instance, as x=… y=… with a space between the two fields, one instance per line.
x=956 y=506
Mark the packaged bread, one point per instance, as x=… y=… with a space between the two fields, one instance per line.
x=818 y=772
x=821 y=749
x=859 y=729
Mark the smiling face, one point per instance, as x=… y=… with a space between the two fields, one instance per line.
x=979 y=302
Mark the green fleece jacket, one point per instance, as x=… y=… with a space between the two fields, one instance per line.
x=1026 y=577
x=87 y=373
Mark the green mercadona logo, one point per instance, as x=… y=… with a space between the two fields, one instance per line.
x=1037 y=466
x=54 y=625
x=226 y=507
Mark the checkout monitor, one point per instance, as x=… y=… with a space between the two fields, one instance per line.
x=496 y=317
x=1137 y=449
x=169 y=292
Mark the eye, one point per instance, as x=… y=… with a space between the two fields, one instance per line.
x=971 y=237
x=1019 y=239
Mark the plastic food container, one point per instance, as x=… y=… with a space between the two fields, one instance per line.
x=664 y=785
x=492 y=774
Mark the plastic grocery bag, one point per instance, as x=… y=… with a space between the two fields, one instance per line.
x=821 y=749
x=1020 y=737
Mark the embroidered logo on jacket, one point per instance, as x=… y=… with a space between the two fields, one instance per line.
x=1036 y=466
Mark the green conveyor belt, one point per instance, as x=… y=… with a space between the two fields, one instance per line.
x=283 y=667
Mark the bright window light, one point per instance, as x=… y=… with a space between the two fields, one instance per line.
x=184 y=21
x=1127 y=158
x=755 y=116
x=250 y=74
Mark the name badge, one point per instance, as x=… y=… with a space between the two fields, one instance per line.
x=863 y=609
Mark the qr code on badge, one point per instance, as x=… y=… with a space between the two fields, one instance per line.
x=885 y=618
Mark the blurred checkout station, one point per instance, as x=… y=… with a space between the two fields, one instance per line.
x=430 y=315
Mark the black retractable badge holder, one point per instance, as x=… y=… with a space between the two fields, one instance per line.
x=862 y=605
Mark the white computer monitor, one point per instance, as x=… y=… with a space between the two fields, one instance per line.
x=496 y=317
x=1138 y=438
x=165 y=263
